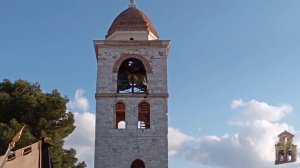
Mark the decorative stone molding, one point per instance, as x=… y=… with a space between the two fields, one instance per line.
x=127 y=95
x=100 y=44
x=136 y=56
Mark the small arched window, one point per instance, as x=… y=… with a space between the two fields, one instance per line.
x=281 y=155
x=289 y=155
x=120 y=115
x=138 y=163
x=132 y=77
x=144 y=116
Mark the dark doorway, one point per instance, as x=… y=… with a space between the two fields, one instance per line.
x=137 y=164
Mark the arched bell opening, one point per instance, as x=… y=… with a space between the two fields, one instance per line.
x=281 y=155
x=120 y=116
x=132 y=77
x=138 y=163
x=285 y=140
x=289 y=155
x=144 y=116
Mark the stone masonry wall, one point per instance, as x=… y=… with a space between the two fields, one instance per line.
x=118 y=148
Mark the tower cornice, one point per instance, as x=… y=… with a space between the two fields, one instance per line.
x=151 y=95
x=131 y=44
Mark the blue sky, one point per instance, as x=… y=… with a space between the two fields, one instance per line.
x=227 y=58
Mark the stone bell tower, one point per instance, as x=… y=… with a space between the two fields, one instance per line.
x=131 y=94
x=286 y=151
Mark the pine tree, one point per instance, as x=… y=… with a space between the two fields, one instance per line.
x=44 y=114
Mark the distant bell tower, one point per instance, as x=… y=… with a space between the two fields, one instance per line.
x=286 y=151
x=131 y=94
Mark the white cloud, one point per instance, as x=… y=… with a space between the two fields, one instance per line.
x=80 y=102
x=83 y=137
x=254 y=110
x=252 y=146
x=177 y=141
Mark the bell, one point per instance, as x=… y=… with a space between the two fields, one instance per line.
x=133 y=78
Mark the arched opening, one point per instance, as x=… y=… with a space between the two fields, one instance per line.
x=144 y=116
x=132 y=77
x=281 y=155
x=120 y=115
x=289 y=155
x=137 y=164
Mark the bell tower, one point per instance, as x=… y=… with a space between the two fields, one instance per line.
x=286 y=151
x=131 y=94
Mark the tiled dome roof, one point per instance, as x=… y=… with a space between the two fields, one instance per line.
x=131 y=19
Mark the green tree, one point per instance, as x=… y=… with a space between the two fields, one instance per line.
x=45 y=114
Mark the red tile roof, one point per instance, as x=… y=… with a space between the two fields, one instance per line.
x=131 y=19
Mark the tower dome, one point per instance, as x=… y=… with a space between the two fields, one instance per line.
x=132 y=24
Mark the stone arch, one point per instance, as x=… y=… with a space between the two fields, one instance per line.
x=120 y=121
x=138 y=163
x=144 y=115
x=132 y=77
x=127 y=56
